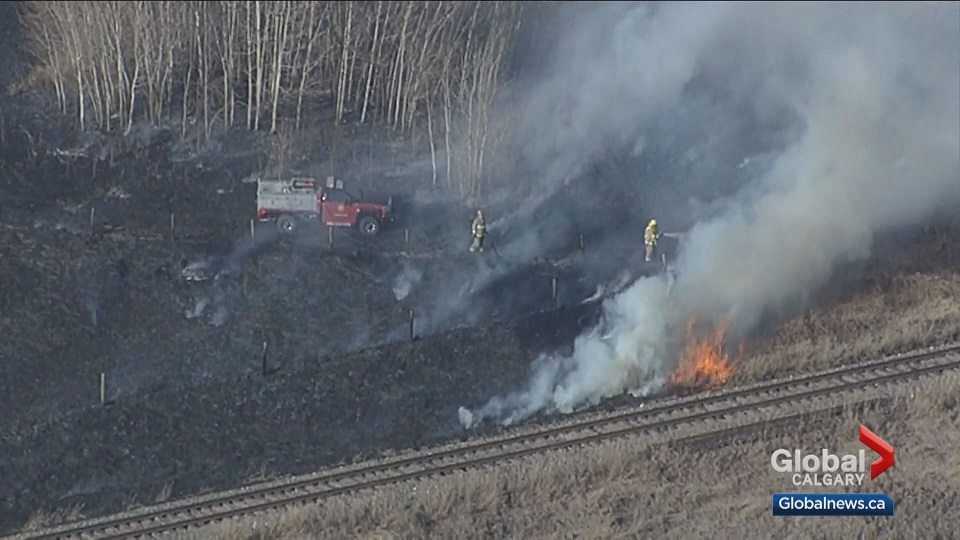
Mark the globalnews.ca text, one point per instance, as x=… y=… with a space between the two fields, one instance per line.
x=832 y=504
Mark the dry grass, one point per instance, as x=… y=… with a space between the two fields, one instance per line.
x=164 y=494
x=916 y=310
x=43 y=518
x=620 y=491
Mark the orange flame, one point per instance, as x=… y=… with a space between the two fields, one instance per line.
x=703 y=362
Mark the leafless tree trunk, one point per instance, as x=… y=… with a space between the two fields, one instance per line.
x=135 y=79
x=282 y=28
x=200 y=19
x=433 y=148
x=81 y=97
x=314 y=20
x=251 y=37
x=446 y=130
x=225 y=41
x=188 y=78
x=120 y=62
x=396 y=83
x=374 y=54
x=341 y=92
x=260 y=67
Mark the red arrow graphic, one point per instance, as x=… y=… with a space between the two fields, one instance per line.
x=880 y=446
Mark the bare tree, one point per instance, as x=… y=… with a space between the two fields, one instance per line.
x=251 y=36
x=433 y=147
x=482 y=82
x=201 y=26
x=133 y=82
x=311 y=31
x=226 y=50
x=414 y=66
x=282 y=23
x=191 y=46
x=258 y=41
x=375 y=45
x=45 y=42
x=346 y=42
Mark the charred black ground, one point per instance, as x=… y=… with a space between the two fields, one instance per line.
x=222 y=432
x=182 y=358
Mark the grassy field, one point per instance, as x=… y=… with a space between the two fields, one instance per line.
x=913 y=311
x=619 y=491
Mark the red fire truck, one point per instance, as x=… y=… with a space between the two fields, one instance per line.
x=288 y=202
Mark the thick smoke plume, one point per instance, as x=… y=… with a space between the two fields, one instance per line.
x=876 y=88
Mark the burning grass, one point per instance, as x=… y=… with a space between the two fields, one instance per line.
x=703 y=362
x=910 y=311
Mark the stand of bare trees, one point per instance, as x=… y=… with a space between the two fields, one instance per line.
x=431 y=66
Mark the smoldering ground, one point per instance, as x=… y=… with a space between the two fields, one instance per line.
x=409 y=277
x=212 y=284
x=876 y=90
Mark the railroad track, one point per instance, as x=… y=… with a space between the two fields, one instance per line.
x=712 y=412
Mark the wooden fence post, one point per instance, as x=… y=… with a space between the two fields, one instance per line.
x=406 y=240
x=413 y=319
x=103 y=388
x=173 y=228
x=330 y=235
x=253 y=228
x=553 y=282
x=93 y=214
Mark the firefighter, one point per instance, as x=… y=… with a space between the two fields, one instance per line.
x=650 y=237
x=478 y=230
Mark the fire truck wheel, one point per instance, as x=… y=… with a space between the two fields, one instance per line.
x=369 y=225
x=286 y=224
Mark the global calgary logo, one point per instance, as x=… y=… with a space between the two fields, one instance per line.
x=829 y=469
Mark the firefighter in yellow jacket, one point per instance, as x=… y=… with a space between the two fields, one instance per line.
x=478 y=230
x=650 y=237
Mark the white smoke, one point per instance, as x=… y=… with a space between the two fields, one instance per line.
x=220 y=316
x=93 y=307
x=199 y=306
x=405 y=282
x=878 y=89
x=623 y=353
